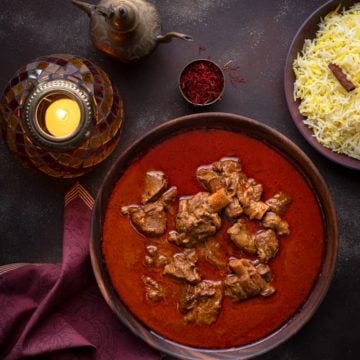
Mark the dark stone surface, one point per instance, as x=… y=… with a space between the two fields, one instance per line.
x=255 y=35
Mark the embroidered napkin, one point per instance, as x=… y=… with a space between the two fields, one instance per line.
x=55 y=311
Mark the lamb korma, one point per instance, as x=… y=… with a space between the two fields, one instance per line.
x=216 y=249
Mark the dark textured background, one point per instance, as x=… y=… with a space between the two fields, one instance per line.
x=254 y=34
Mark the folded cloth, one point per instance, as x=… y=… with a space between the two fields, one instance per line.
x=56 y=311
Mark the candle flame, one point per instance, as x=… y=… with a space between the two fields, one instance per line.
x=61 y=114
x=62 y=117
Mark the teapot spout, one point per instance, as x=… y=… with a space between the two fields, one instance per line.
x=171 y=35
x=88 y=8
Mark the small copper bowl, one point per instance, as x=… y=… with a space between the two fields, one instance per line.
x=202 y=82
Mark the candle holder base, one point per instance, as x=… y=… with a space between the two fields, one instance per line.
x=21 y=115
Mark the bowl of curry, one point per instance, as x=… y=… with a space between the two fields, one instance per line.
x=214 y=236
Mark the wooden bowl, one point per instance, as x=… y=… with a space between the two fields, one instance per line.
x=272 y=138
x=307 y=31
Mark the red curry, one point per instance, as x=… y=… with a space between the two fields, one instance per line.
x=294 y=269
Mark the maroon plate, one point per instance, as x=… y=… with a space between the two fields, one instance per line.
x=307 y=31
x=272 y=138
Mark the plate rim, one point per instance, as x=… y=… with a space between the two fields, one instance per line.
x=320 y=288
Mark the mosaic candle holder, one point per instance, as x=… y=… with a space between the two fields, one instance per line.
x=34 y=98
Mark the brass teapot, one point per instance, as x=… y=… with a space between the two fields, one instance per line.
x=126 y=29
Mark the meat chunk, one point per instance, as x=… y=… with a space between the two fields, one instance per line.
x=153 y=291
x=218 y=200
x=247 y=281
x=263 y=270
x=249 y=195
x=183 y=267
x=211 y=251
x=154 y=257
x=256 y=210
x=230 y=169
x=169 y=196
x=279 y=203
x=195 y=210
x=249 y=191
x=201 y=303
x=150 y=219
x=234 y=210
x=209 y=178
x=273 y=221
x=224 y=174
x=196 y=219
x=216 y=176
x=228 y=166
x=267 y=244
x=154 y=185
x=240 y=236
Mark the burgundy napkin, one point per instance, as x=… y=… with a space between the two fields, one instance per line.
x=56 y=310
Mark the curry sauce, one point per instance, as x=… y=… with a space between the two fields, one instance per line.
x=294 y=269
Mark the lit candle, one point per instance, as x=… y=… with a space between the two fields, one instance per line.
x=62 y=117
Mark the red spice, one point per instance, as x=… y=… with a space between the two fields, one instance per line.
x=201 y=48
x=232 y=72
x=202 y=82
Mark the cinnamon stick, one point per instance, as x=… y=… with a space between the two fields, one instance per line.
x=341 y=77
